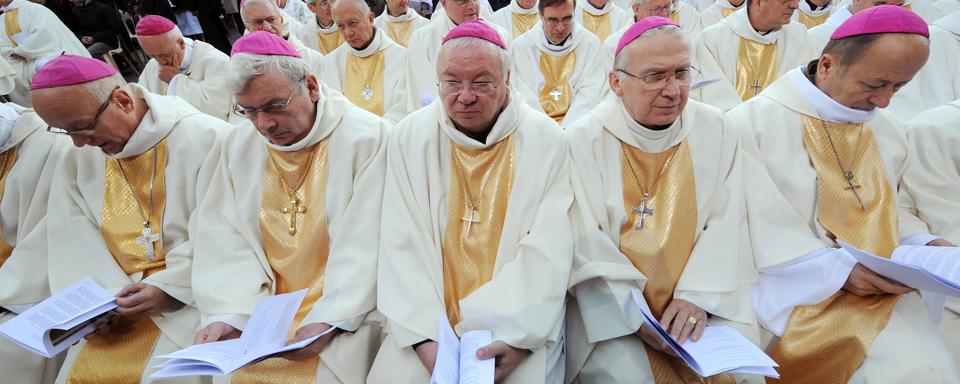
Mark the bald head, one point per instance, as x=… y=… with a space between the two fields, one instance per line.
x=167 y=48
x=355 y=21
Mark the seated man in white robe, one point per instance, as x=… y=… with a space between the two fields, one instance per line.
x=180 y=66
x=601 y=17
x=820 y=35
x=658 y=209
x=359 y=68
x=263 y=15
x=296 y=9
x=748 y=51
x=322 y=33
x=32 y=34
x=28 y=157
x=830 y=169
x=718 y=10
x=938 y=82
x=476 y=196
x=289 y=208
x=812 y=13
x=399 y=21
x=121 y=204
x=556 y=65
x=516 y=18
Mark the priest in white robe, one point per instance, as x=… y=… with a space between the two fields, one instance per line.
x=293 y=205
x=748 y=51
x=658 y=209
x=812 y=13
x=556 y=65
x=28 y=157
x=476 y=196
x=322 y=33
x=398 y=21
x=179 y=66
x=486 y=10
x=358 y=69
x=296 y=9
x=831 y=169
x=820 y=35
x=516 y=18
x=601 y=17
x=938 y=82
x=32 y=35
x=263 y=15
x=120 y=211
x=718 y=10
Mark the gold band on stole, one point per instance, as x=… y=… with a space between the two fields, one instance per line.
x=811 y=21
x=827 y=342
x=327 y=42
x=127 y=347
x=598 y=24
x=727 y=11
x=470 y=250
x=756 y=65
x=363 y=72
x=5 y=248
x=400 y=32
x=522 y=22
x=11 y=24
x=299 y=260
x=556 y=72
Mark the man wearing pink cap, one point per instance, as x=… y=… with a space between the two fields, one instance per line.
x=659 y=205
x=294 y=204
x=824 y=164
x=120 y=207
x=820 y=35
x=476 y=202
x=180 y=66
x=264 y=15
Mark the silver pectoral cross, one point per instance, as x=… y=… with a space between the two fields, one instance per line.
x=853 y=187
x=555 y=94
x=470 y=220
x=146 y=241
x=756 y=87
x=641 y=212
x=366 y=92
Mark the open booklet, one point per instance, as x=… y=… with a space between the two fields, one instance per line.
x=721 y=349
x=264 y=336
x=53 y=325
x=457 y=361
x=933 y=269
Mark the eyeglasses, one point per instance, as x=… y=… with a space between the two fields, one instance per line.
x=251 y=113
x=554 y=21
x=89 y=130
x=455 y=88
x=259 y=22
x=661 y=10
x=655 y=81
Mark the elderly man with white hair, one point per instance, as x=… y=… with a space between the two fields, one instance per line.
x=294 y=204
x=476 y=199
x=180 y=66
x=321 y=33
x=399 y=21
x=658 y=209
x=264 y=15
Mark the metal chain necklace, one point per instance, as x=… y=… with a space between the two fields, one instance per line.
x=847 y=172
x=147 y=237
x=472 y=204
x=295 y=206
x=644 y=208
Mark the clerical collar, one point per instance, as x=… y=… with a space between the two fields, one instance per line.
x=187 y=54
x=311 y=137
x=739 y=22
x=406 y=16
x=505 y=125
x=328 y=29
x=372 y=47
x=13 y=4
x=825 y=106
x=516 y=8
x=811 y=8
x=556 y=49
x=8 y=120
x=591 y=9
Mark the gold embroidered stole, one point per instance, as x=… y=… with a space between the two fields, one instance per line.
x=811 y=21
x=400 y=32
x=727 y=11
x=675 y=16
x=11 y=156
x=598 y=24
x=522 y=22
x=827 y=342
x=556 y=93
x=298 y=260
x=756 y=67
x=327 y=42
x=470 y=247
x=129 y=344
x=11 y=24
x=363 y=82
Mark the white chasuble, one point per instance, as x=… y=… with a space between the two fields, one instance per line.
x=810 y=17
x=602 y=22
x=820 y=35
x=400 y=28
x=718 y=10
x=938 y=82
x=515 y=20
x=321 y=39
x=368 y=77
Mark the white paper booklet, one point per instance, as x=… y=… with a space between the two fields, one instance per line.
x=264 y=336
x=457 y=361
x=61 y=320
x=721 y=349
x=933 y=269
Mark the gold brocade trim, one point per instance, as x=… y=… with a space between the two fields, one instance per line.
x=523 y=22
x=675 y=16
x=118 y=357
x=728 y=11
x=470 y=248
x=827 y=342
x=811 y=21
x=327 y=42
x=5 y=248
x=400 y=32
x=363 y=82
x=756 y=67
x=599 y=25
x=11 y=24
x=556 y=93
x=121 y=220
x=278 y=370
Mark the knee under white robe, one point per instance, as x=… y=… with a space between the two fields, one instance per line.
x=76 y=245
x=394 y=56
x=602 y=318
x=522 y=305
x=938 y=82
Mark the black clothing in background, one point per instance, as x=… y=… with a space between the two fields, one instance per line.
x=97 y=20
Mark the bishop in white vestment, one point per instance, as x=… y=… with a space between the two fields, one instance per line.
x=321 y=33
x=399 y=21
x=820 y=35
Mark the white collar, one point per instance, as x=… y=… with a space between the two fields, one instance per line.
x=376 y=45
x=506 y=124
x=586 y=6
x=516 y=8
x=805 y=8
x=825 y=106
x=558 y=50
x=8 y=120
x=332 y=28
x=13 y=5
x=405 y=17
x=840 y=15
x=187 y=54
x=739 y=21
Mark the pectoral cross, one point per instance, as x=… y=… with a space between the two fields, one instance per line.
x=293 y=210
x=471 y=219
x=852 y=187
x=641 y=212
x=366 y=92
x=555 y=94
x=756 y=87
x=146 y=241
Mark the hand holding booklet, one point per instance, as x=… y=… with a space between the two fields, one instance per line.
x=457 y=361
x=721 y=349
x=264 y=336
x=933 y=269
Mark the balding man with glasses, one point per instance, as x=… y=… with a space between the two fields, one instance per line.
x=264 y=15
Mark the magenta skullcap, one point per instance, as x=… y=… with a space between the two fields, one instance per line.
x=478 y=29
x=641 y=26
x=70 y=70
x=263 y=43
x=882 y=19
x=154 y=25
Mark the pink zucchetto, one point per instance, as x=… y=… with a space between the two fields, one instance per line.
x=154 y=25
x=478 y=29
x=641 y=26
x=70 y=70
x=263 y=43
x=882 y=19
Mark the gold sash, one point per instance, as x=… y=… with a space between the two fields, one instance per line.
x=329 y=41
x=470 y=248
x=756 y=67
x=827 y=342
x=522 y=22
x=400 y=32
x=599 y=25
x=556 y=92
x=811 y=21
x=5 y=248
x=363 y=83
x=727 y=11
x=11 y=24
x=299 y=260
x=129 y=344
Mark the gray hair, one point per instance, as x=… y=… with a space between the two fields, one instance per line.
x=622 y=60
x=468 y=44
x=272 y=4
x=364 y=7
x=101 y=89
x=244 y=67
x=174 y=34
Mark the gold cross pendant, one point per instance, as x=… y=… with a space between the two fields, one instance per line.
x=293 y=209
